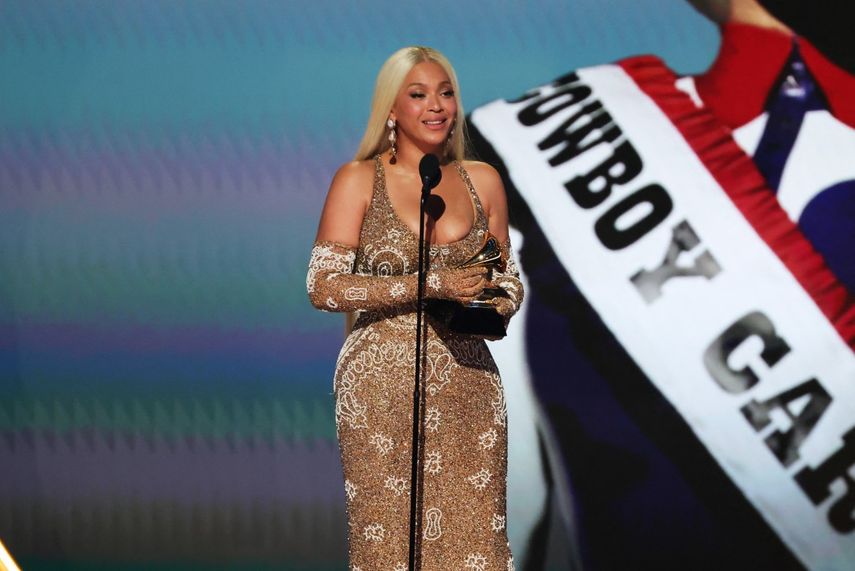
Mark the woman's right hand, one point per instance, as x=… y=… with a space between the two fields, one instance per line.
x=462 y=285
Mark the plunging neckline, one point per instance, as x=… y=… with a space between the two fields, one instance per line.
x=473 y=200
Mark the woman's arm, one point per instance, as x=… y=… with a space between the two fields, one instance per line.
x=491 y=192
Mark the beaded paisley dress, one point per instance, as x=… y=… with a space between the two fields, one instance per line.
x=464 y=446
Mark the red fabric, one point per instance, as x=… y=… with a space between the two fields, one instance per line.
x=743 y=183
x=737 y=84
x=748 y=62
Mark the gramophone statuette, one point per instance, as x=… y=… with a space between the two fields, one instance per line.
x=479 y=317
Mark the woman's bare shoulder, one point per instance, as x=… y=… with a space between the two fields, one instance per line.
x=485 y=178
x=347 y=201
x=354 y=174
x=479 y=167
x=352 y=183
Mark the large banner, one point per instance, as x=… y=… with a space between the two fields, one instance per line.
x=647 y=227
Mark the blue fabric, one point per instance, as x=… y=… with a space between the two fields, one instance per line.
x=795 y=93
x=828 y=221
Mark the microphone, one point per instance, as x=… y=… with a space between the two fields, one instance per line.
x=429 y=172
x=430 y=175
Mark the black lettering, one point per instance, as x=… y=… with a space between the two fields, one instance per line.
x=592 y=189
x=785 y=445
x=567 y=78
x=546 y=106
x=591 y=119
x=531 y=94
x=608 y=229
x=571 y=77
x=754 y=324
x=683 y=239
x=816 y=483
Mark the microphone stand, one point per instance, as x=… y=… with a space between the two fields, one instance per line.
x=415 y=476
x=415 y=483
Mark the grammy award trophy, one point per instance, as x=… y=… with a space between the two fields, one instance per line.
x=479 y=316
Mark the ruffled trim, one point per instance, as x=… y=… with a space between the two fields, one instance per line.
x=736 y=173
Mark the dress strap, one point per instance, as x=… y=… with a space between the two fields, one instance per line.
x=379 y=175
x=465 y=176
x=379 y=189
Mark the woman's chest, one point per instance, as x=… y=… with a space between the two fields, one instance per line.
x=387 y=250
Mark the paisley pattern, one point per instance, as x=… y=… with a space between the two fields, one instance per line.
x=464 y=456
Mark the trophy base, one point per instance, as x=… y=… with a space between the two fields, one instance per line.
x=478 y=318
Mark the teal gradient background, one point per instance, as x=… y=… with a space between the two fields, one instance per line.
x=164 y=384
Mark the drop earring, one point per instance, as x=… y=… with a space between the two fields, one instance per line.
x=393 y=137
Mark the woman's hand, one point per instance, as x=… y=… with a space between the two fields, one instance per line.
x=462 y=285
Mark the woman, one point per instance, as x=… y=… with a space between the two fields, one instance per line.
x=365 y=260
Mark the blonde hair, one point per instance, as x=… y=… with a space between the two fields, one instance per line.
x=389 y=81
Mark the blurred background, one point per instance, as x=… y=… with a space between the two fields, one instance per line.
x=165 y=387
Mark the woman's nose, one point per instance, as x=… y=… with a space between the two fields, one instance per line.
x=435 y=103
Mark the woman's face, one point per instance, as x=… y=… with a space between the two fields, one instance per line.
x=425 y=107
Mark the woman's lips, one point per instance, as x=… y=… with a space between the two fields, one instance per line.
x=435 y=124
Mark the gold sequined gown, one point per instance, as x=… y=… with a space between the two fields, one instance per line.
x=464 y=449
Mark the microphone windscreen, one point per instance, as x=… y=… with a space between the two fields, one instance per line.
x=429 y=171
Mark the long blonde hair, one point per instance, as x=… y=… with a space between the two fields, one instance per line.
x=389 y=81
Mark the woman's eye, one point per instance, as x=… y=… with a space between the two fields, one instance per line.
x=417 y=95
x=448 y=93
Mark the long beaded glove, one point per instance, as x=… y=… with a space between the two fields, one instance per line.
x=332 y=285
x=509 y=280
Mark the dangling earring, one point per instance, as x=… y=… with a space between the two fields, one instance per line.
x=393 y=137
x=448 y=145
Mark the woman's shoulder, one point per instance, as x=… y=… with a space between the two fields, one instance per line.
x=347 y=201
x=478 y=166
x=482 y=170
x=491 y=191
x=485 y=178
x=355 y=172
x=354 y=178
